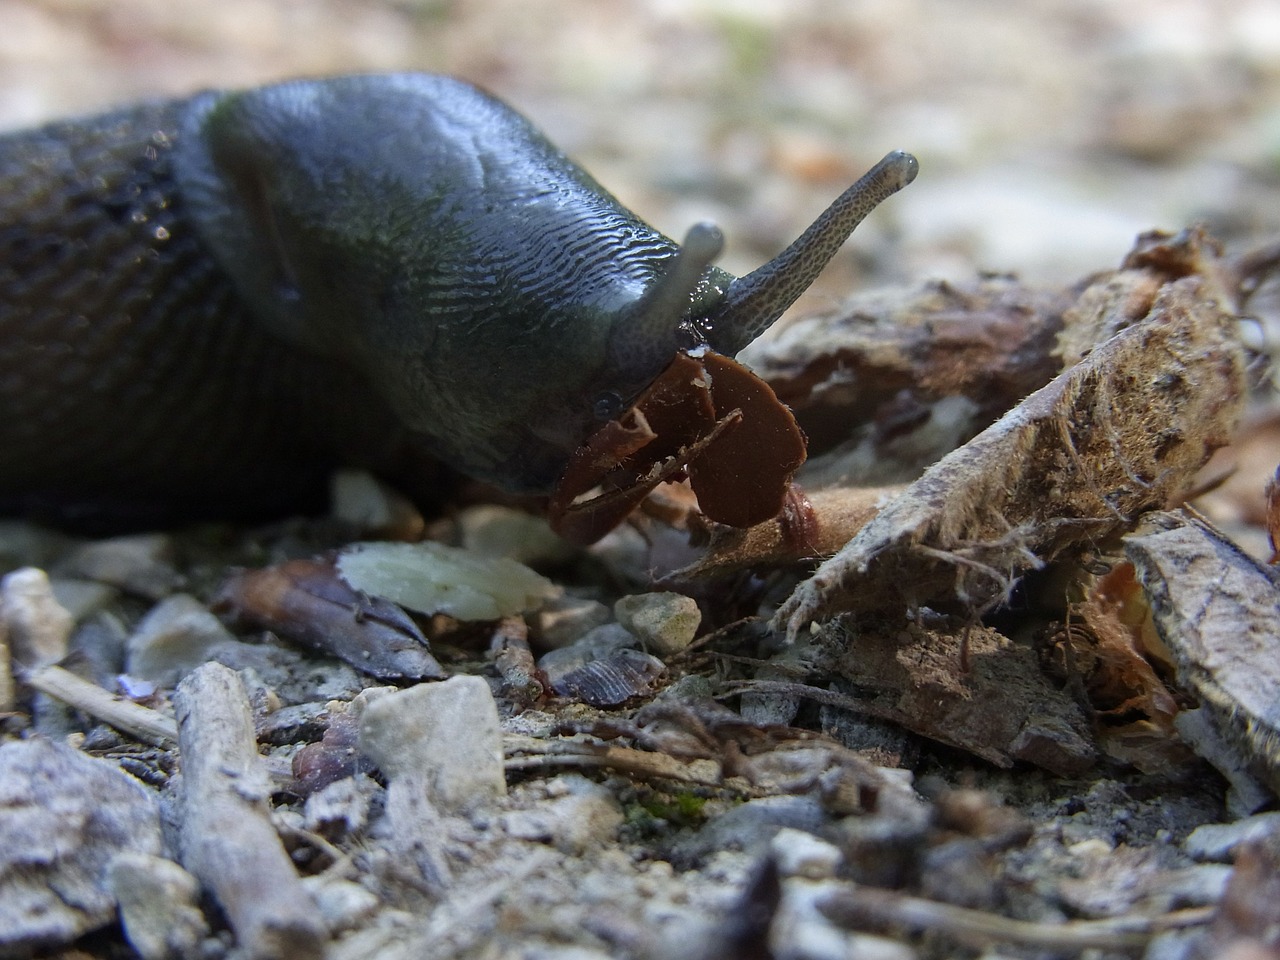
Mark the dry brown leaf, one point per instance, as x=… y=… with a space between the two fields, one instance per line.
x=306 y=601
x=1133 y=707
x=1122 y=432
x=1218 y=613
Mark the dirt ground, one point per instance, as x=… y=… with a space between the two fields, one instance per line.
x=749 y=799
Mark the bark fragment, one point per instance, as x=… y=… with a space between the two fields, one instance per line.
x=1121 y=432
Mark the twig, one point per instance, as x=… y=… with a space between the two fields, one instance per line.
x=640 y=763
x=146 y=724
x=228 y=840
x=860 y=907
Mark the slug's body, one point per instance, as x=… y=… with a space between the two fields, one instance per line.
x=207 y=304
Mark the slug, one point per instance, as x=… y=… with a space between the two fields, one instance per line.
x=208 y=303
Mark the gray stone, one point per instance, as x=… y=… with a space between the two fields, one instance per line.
x=665 y=622
x=496 y=531
x=1218 y=841
x=176 y=636
x=159 y=906
x=566 y=620
x=64 y=817
x=447 y=733
x=585 y=816
x=81 y=598
x=140 y=564
x=343 y=904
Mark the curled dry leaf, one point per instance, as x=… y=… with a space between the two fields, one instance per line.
x=307 y=602
x=1218 y=613
x=1121 y=432
x=708 y=417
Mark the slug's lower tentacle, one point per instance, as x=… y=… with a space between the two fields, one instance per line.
x=755 y=301
x=645 y=340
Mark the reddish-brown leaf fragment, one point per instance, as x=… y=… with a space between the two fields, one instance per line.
x=742 y=478
x=306 y=601
x=706 y=415
x=1108 y=653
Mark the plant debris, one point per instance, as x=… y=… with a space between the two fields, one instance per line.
x=1216 y=611
x=1123 y=431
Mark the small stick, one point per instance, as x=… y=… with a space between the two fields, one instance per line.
x=147 y=725
x=228 y=840
x=541 y=754
x=860 y=907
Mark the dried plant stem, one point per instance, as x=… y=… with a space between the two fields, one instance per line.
x=134 y=719
x=859 y=907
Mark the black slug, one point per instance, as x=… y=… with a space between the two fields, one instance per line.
x=206 y=304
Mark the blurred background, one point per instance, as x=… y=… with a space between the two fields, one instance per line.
x=1049 y=132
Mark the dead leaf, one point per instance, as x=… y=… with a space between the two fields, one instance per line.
x=307 y=602
x=1218 y=613
x=872 y=373
x=1002 y=708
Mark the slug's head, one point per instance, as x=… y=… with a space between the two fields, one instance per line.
x=501 y=302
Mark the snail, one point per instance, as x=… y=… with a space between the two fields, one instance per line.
x=208 y=303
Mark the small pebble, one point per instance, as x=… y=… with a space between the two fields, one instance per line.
x=800 y=854
x=665 y=622
x=140 y=564
x=447 y=730
x=586 y=816
x=343 y=904
x=159 y=906
x=82 y=597
x=566 y=620
x=38 y=627
x=496 y=531
x=1218 y=841
x=370 y=506
x=175 y=637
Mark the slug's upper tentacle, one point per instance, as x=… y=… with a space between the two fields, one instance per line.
x=755 y=301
